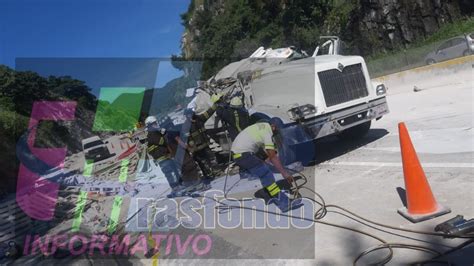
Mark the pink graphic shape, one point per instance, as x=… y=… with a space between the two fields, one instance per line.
x=37 y=198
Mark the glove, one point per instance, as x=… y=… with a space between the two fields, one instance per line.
x=216 y=97
x=289 y=178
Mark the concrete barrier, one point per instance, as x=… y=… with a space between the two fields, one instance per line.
x=440 y=73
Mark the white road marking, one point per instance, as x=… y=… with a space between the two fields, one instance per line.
x=392 y=164
x=387 y=149
x=431 y=131
x=436 y=141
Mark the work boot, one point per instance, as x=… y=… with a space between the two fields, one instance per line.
x=199 y=186
x=283 y=202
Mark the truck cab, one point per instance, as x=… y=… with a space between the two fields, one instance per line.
x=313 y=96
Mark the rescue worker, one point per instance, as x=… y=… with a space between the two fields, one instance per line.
x=161 y=153
x=235 y=117
x=196 y=141
x=245 y=149
x=191 y=179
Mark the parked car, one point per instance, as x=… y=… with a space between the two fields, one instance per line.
x=452 y=48
x=95 y=149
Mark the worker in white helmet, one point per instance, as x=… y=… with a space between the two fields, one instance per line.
x=160 y=151
x=196 y=141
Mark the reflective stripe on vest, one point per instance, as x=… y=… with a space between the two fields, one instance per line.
x=152 y=148
x=164 y=157
x=237 y=120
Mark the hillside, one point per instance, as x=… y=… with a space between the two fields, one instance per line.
x=18 y=91
x=221 y=31
x=173 y=93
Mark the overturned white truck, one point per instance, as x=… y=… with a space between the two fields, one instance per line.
x=313 y=96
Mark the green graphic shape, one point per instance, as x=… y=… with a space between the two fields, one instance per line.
x=123 y=170
x=88 y=168
x=118 y=108
x=81 y=203
x=114 y=216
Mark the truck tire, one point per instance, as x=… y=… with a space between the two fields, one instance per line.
x=356 y=132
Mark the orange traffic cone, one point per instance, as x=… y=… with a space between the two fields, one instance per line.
x=421 y=204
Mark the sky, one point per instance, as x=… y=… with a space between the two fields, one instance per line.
x=92 y=29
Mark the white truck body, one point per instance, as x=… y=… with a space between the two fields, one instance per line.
x=313 y=96
x=337 y=86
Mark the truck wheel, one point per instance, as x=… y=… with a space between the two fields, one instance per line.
x=430 y=61
x=356 y=132
x=467 y=52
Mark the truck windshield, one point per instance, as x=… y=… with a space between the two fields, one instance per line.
x=93 y=144
x=298 y=55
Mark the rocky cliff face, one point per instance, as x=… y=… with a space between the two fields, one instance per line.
x=367 y=25
x=188 y=41
x=385 y=24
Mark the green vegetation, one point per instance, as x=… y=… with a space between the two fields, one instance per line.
x=118 y=109
x=220 y=32
x=246 y=25
x=18 y=92
x=414 y=55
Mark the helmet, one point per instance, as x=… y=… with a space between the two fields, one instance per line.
x=236 y=102
x=213 y=83
x=150 y=120
x=276 y=122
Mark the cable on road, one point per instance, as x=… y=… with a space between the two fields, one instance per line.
x=323 y=211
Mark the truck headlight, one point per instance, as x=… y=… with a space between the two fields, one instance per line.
x=302 y=111
x=381 y=90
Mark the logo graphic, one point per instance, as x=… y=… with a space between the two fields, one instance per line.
x=340 y=67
